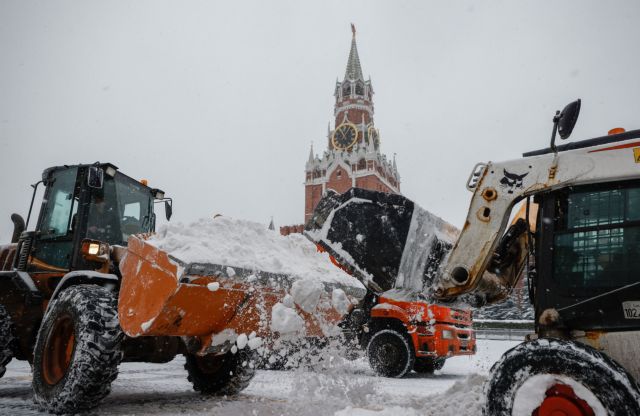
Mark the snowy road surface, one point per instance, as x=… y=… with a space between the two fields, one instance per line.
x=349 y=389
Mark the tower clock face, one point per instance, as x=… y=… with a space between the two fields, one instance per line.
x=344 y=136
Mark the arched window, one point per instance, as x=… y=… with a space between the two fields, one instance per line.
x=360 y=89
x=362 y=164
x=346 y=89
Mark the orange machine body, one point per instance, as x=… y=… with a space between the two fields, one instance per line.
x=436 y=330
x=160 y=296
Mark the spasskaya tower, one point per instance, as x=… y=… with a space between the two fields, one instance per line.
x=352 y=157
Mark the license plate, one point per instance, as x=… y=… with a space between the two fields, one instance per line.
x=631 y=309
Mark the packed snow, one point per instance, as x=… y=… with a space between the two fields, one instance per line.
x=425 y=230
x=340 y=388
x=285 y=319
x=340 y=301
x=235 y=243
x=306 y=294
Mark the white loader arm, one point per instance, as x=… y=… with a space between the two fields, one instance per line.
x=498 y=186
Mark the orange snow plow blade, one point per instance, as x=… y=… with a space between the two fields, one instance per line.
x=159 y=296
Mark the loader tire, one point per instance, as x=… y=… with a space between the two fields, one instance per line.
x=7 y=340
x=225 y=375
x=428 y=365
x=548 y=375
x=390 y=353
x=77 y=351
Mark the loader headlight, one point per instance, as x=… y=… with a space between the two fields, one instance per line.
x=95 y=250
x=447 y=334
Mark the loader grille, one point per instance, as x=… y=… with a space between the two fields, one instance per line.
x=25 y=244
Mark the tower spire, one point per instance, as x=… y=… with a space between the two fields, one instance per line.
x=354 y=71
x=311 y=154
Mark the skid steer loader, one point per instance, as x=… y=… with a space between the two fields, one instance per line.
x=86 y=290
x=577 y=244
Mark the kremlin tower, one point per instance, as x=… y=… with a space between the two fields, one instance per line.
x=352 y=157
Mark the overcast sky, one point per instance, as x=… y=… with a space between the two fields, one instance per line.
x=217 y=102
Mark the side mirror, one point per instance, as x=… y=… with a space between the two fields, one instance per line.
x=95 y=178
x=568 y=118
x=168 y=210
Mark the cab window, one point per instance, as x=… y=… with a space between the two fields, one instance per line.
x=60 y=205
x=597 y=236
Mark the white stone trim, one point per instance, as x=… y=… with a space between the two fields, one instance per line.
x=352 y=106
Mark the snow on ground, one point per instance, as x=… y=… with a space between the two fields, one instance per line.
x=350 y=389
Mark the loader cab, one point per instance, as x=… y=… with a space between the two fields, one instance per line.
x=87 y=202
x=588 y=256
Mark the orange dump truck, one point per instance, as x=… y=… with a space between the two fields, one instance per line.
x=436 y=332
x=393 y=247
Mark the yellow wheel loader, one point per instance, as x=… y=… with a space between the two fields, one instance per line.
x=85 y=290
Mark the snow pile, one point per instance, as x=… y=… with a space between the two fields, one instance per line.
x=351 y=394
x=285 y=319
x=342 y=388
x=465 y=397
x=418 y=260
x=332 y=376
x=306 y=294
x=387 y=411
x=340 y=301
x=248 y=245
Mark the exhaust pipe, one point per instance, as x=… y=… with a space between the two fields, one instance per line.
x=18 y=227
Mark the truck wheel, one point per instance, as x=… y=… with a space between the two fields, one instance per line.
x=7 y=339
x=225 y=375
x=77 y=351
x=428 y=365
x=551 y=376
x=390 y=353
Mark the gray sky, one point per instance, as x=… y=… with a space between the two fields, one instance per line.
x=217 y=102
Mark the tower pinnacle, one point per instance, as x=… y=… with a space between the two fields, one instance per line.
x=354 y=71
x=311 y=157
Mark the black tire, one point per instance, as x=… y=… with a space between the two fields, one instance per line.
x=225 y=375
x=91 y=354
x=604 y=378
x=7 y=340
x=427 y=365
x=390 y=353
